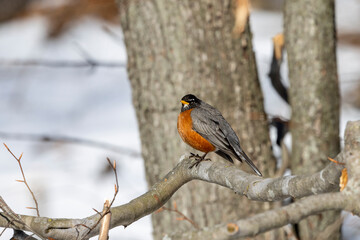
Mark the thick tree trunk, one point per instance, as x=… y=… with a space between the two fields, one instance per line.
x=314 y=94
x=179 y=47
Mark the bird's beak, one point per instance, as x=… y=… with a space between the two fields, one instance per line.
x=184 y=102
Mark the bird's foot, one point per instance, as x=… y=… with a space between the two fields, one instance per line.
x=198 y=159
x=193 y=155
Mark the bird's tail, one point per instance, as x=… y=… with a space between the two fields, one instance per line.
x=245 y=158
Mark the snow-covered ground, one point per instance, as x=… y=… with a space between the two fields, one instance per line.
x=68 y=179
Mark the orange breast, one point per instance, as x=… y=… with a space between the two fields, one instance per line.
x=188 y=135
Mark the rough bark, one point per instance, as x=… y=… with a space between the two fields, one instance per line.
x=249 y=185
x=314 y=94
x=269 y=189
x=180 y=47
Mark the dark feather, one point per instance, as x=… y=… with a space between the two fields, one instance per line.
x=211 y=125
x=224 y=155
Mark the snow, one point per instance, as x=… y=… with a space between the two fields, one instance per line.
x=87 y=103
x=69 y=179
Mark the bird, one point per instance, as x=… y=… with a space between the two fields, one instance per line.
x=203 y=127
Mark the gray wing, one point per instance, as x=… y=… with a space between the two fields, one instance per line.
x=208 y=125
x=211 y=125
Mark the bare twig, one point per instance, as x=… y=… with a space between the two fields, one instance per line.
x=60 y=63
x=113 y=166
x=67 y=139
x=12 y=218
x=334 y=161
x=4 y=229
x=85 y=55
x=24 y=180
x=116 y=37
x=97 y=211
x=105 y=222
x=106 y=211
x=11 y=215
x=182 y=216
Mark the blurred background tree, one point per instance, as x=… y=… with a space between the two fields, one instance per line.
x=200 y=47
x=180 y=47
x=175 y=48
x=314 y=97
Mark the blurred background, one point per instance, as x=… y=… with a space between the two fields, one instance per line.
x=65 y=102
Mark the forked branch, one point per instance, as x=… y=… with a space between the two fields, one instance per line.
x=320 y=185
x=24 y=181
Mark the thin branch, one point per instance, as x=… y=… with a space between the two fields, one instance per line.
x=115 y=36
x=182 y=216
x=69 y=140
x=334 y=161
x=60 y=63
x=12 y=216
x=107 y=206
x=13 y=220
x=85 y=55
x=272 y=219
x=113 y=167
x=2 y=232
x=24 y=180
x=105 y=222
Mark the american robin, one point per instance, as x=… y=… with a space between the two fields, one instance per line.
x=204 y=128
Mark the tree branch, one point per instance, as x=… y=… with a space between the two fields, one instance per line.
x=270 y=189
x=24 y=180
x=272 y=219
x=14 y=219
x=60 y=63
x=68 y=139
x=346 y=200
x=253 y=187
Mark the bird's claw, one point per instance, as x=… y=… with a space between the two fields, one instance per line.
x=193 y=155
x=198 y=159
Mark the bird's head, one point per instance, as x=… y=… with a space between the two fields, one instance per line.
x=189 y=101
